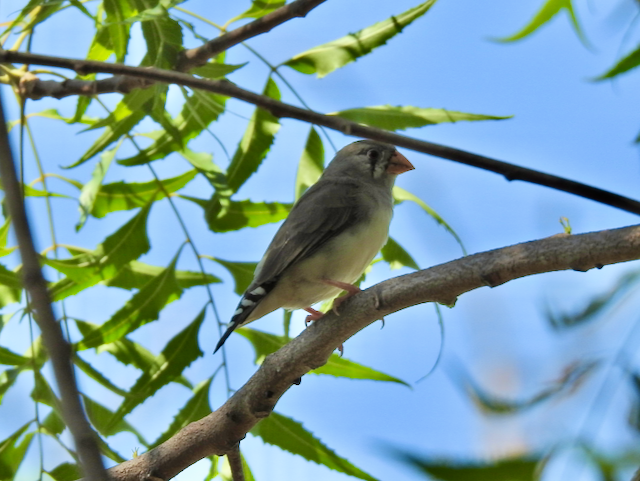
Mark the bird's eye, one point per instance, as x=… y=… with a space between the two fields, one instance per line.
x=373 y=154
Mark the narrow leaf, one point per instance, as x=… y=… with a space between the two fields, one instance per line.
x=117 y=14
x=513 y=469
x=223 y=214
x=65 y=472
x=126 y=244
x=291 y=436
x=199 y=110
x=396 y=256
x=259 y=8
x=324 y=59
x=242 y=273
x=10 y=358
x=215 y=70
x=90 y=190
x=12 y=451
x=128 y=113
x=549 y=10
x=264 y=344
x=629 y=62
x=177 y=355
x=311 y=163
x=142 y=308
x=101 y=417
x=195 y=409
x=125 y=196
x=255 y=143
x=404 y=117
x=400 y=195
x=10 y=287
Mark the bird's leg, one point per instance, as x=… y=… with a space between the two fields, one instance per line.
x=314 y=315
x=350 y=290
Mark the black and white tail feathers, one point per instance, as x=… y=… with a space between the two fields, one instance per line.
x=250 y=300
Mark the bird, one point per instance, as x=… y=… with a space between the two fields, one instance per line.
x=330 y=236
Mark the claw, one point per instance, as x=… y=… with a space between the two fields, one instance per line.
x=350 y=290
x=313 y=315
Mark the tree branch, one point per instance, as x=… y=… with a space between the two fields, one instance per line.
x=235 y=463
x=36 y=89
x=220 y=431
x=56 y=345
x=199 y=56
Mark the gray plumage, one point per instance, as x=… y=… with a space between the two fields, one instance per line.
x=332 y=233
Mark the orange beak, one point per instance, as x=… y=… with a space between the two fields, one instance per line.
x=399 y=164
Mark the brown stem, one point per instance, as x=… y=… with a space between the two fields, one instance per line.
x=38 y=89
x=58 y=348
x=220 y=431
x=235 y=463
x=199 y=56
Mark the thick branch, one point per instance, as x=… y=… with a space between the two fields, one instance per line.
x=39 y=89
x=199 y=56
x=220 y=431
x=58 y=348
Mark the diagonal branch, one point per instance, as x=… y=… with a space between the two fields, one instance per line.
x=58 y=348
x=196 y=57
x=219 y=432
x=37 y=89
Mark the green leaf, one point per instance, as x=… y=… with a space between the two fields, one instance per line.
x=311 y=163
x=404 y=117
x=126 y=244
x=195 y=408
x=162 y=34
x=10 y=358
x=142 y=308
x=7 y=379
x=596 y=305
x=400 y=195
x=101 y=417
x=53 y=424
x=572 y=377
x=627 y=63
x=128 y=113
x=90 y=190
x=127 y=352
x=117 y=14
x=324 y=59
x=136 y=274
x=177 y=355
x=223 y=214
x=216 y=70
x=65 y=472
x=513 y=469
x=97 y=376
x=291 y=436
x=10 y=287
x=242 y=273
x=255 y=143
x=198 y=111
x=31 y=192
x=549 y=10
x=259 y=8
x=396 y=256
x=12 y=451
x=264 y=344
x=125 y=196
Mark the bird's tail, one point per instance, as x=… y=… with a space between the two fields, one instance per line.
x=250 y=300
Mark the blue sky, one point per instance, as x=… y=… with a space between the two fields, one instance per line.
x=563 y=124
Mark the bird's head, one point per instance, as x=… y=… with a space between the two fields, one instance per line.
x=370 y=160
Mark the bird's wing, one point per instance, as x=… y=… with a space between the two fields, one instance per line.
x=327 y=209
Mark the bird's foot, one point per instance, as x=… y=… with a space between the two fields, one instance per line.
x=341 y=349
x=350 y=290
x=313 y=315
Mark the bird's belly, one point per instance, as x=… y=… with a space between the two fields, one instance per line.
x=342 y=259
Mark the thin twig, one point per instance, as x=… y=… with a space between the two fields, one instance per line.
x=54 y=341
x=38 y=89
x=199 y=56
x=235 y=463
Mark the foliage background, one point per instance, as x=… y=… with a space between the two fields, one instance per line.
x=563 y=123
